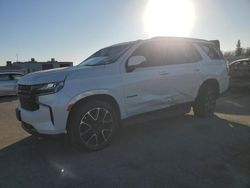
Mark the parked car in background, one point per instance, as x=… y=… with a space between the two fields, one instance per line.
x=89 y=100
x=8 y=83
x=239 y=72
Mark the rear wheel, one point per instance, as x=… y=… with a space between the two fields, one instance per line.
x=205 y=104
x=93 y=125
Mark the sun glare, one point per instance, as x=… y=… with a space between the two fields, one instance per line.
x=169 y=17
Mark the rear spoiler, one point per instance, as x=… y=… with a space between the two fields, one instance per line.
x=216 y=43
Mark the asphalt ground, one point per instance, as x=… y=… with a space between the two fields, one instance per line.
x=181 y=151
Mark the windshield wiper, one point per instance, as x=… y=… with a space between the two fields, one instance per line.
x=95 y=64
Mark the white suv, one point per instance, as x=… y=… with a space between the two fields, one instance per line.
x=88 y=101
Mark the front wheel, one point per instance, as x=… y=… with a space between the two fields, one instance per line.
x=205 y=104
x=93 y=125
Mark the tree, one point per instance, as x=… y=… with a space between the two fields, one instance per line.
x=238 y=51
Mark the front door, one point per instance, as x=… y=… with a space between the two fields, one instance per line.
x=145 y=87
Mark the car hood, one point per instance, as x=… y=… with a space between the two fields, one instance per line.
x=52 y=75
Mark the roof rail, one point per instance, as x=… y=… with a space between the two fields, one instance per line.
x=184 y=38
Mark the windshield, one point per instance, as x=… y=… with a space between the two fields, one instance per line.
x=106 y=55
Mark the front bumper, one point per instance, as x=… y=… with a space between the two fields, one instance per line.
x=37 y=121
x=27 y=127
x=50 y=118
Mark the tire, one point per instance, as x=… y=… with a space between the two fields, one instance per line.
x=205 y=103
x=93 y=125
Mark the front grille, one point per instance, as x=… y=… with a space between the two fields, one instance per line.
x=24 y=89
x=28 y=101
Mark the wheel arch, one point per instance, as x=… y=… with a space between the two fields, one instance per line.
x=98 y=96
x=210 y=83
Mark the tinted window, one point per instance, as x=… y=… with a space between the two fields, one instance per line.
x=4 y=77
x=193 y=54
x=154 y=53
x=16 y=76
x=176 y=53
x=180 y=53
x=212 y=52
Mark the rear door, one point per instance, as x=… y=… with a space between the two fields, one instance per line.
x=183 y=76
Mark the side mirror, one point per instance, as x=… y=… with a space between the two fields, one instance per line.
x=134 y=62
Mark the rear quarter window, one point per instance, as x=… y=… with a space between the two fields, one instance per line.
x=211 y=51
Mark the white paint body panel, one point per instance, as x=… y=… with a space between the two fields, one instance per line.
x=136 y=92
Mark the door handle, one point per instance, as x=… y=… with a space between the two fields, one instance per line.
x=196 y=70
x=163 y=73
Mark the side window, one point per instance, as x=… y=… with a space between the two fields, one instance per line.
x=178 y=53
x=16 y=76
x=193 y=54
x=4 y=77
x=154 y=53
x=211 y=52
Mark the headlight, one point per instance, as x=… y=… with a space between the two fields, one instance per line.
x=49 y=88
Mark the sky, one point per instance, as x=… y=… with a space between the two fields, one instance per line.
x=71 y=30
